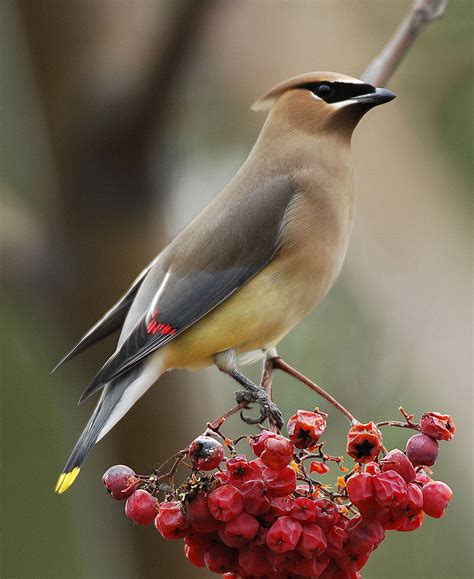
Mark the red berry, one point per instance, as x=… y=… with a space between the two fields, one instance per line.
x=257 y=443
x=364 y=442
x=278 y=452
x=390 y=489
x=422 y=477
x=436 y=497
x=206 y=453
x=305 y=428
x=326 y=514
x=422 y=450
x=308 y=567
x=199 y=515
x=195 y=556
x=201 y=541
x=240 y=470
x=411 y=522
x=364 y=536
x=279 y=483
x=398 y=461
x=438 y=426
x=141 y=507
x=254 y=561
x=220 y=559
x=351 y=563
x=360 y=487
x=120 y=481
x=413 y=503
x=304 y=510
x=312 y=541
x=260 y=538
x=281 y=561
x=225 y=503
x=284 y=535
x=361 y=492
x=335 y=537
x=243 y=528
x=255 y=501
x=170 y=521
x=372 y=467
x=281 y=506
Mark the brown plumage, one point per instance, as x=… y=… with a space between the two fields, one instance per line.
x=253 y=264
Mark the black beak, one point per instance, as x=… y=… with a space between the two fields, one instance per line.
x=379 y=97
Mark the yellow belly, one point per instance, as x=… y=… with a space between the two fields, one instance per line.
x=257 y=316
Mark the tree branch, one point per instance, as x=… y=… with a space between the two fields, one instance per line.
x=381 y=69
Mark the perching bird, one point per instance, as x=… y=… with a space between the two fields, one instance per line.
x=251 y=266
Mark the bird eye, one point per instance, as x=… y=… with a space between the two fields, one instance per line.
x=324 y=90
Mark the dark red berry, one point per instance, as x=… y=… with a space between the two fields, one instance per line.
x=360 y=487
x=254 y=562
x=170 y=521
x=398 y=461
x=364 y=442
x=305 y=428
x=326 y=514
x=199 y=515
x=120 y=481
x=390 y=490
x=253 y=495
x=225 y=503
x=436 y=497
x=279 y=483
x=422 y=450
x=411 y=522
x=240 y=470
x=304 y=510
x=438 y=426
x=195 y=556
x=243 y=528
x=312 y=541
x=277 y=452
x=206 y=453
x=141 y=507
x=281 y=506
x=308 y=567
x=284 y=535
x=413 y=503
x=220 y=559
x=201 y=541
x=257 y=443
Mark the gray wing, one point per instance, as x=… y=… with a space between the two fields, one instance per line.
x=110 y=322
x=229 y=243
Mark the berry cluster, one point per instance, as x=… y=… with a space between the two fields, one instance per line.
x=267 y=516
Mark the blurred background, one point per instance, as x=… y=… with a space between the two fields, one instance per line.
x=120 y=121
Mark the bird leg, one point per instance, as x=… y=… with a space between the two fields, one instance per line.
x=226 y=362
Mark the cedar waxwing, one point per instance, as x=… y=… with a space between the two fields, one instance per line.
x=251 y=266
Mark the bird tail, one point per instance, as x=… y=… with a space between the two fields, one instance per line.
x=117 y=398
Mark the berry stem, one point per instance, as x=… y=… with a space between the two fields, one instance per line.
x=280 y=364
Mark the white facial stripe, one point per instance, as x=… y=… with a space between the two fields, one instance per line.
x=341 y=104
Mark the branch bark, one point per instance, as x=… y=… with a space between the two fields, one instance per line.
x=381 y=69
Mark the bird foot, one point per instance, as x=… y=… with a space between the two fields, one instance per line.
x=268 y=409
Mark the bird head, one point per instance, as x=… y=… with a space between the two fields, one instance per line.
x=322 y=101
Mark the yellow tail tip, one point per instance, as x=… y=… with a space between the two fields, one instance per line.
x=66 y=479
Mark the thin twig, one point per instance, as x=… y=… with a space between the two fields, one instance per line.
x=266 y=384
x=282 y=365
x=381 y=69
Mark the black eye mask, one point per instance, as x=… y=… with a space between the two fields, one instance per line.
x=334 y=92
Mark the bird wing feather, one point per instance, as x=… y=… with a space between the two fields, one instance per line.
x=221 y=250
x=109 y=323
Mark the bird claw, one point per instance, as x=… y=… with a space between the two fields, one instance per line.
x=268 y=409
